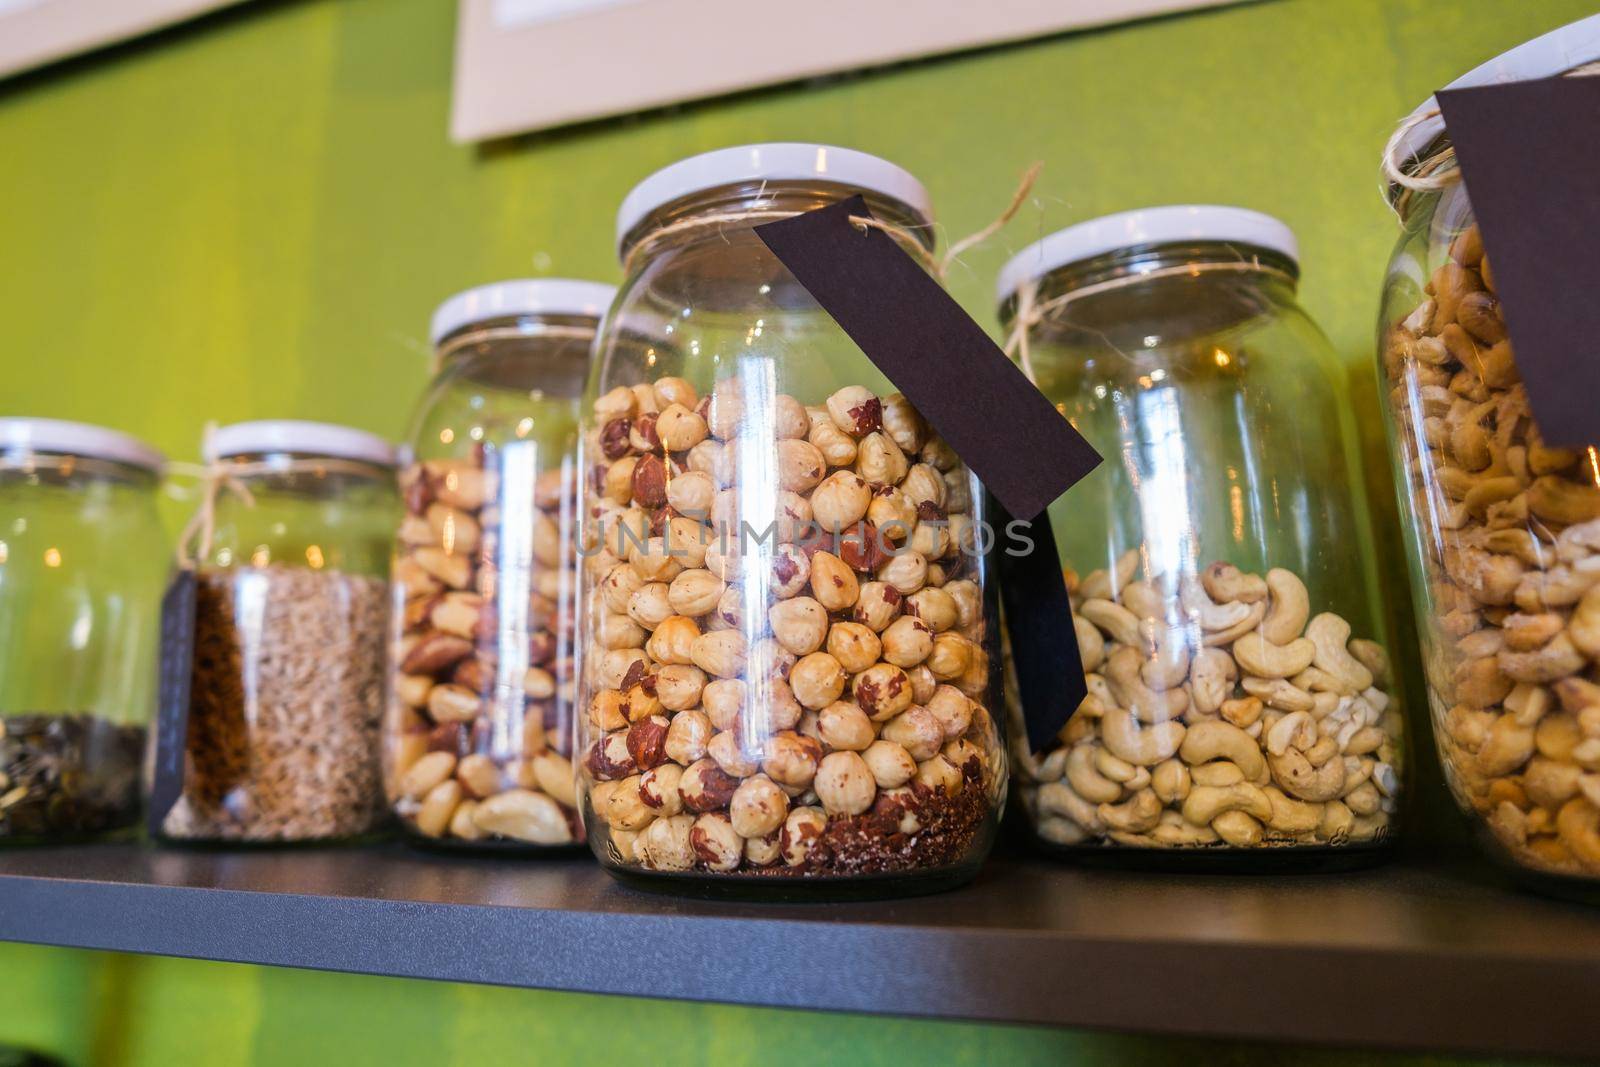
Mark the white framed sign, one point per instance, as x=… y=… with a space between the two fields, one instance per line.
x=526 y=65
x=36 y=32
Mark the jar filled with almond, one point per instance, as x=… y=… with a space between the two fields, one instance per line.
x=1502 y=524
x=787 y=628
x=1241 y=711
x=478 y=736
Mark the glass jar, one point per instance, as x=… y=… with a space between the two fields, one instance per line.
x=291 y=618
x=479 y=736
x=786 y=639
x=82 y=561
x=1228 y=614
x=1500 y=528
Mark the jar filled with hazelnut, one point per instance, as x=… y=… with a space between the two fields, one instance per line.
x=787 y=633
x=478 y=738
x=1502 y=524
x=1240 y=710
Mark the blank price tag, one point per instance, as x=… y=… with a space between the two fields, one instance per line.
x=172 y=710
x=1000 y=425
x=1530 y=155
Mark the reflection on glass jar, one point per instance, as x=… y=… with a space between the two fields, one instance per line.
x=291 y=612
x=1227 y=608
x=786 y=635
x=81 y=566
x=1503 y=528
x=479 y=733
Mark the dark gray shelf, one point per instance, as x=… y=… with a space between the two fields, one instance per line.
x=1403 y=956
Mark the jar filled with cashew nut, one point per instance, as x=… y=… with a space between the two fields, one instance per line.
x=1241 y=710
x=1503 y=527
x=290 y=547
x=479 y=736
x=82 y=561
x=787 y=635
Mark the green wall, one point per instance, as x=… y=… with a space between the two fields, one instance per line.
x=254 y=216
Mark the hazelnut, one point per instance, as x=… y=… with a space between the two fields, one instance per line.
x=939 y=775
x=801 y=831
x=800 y=465
x=923 y=485
x=649 y=605
x=916 y=730
x=817 y=680
x=795 y=517
x=625 y=807
x=892 y=512
x=758 y=807
x=723 y=699
x=674 y=641
x=619 y=403
x=856 y=410
x=845 y=784
x=842 y=725
x=716 y=844
x=951 y=656
x=907 y=641
x=789 y=418
x=879 y=460
x=762 y=851
x=833 y=583
x=726 y=749
x=923 y=683
x=657 y=561
x=679 y=686
x=882 y=691
x=609 y=758
x=658 y=788
x=687 y=540
x=720 y=654
x=891 y=765
x=799 y=624
x=792 y=759
x=791 y=572
x=618 y=631
x=670 y=390
x=608 y=709
x=694 y=593
x=952 y=709
x=726 y=410
x=840 y=501
x=906 y=572
x=903 y=423
x=936 y=608
x=706 y=786
x=854 y=645
x=687 y=737
x=613 y=666
x=617 y=483
x=647 y=739
x=837 y=447
x=664 y=845
x=679 y=428
x=692 y=493
x=877 y=605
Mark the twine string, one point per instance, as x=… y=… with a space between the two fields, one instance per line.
x=1438 y=171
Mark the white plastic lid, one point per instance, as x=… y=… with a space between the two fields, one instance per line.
x=1557 y=52
x=771 y=162
x=77 y=439
x=1146 y=226
x=306 y=438
x=521 y=296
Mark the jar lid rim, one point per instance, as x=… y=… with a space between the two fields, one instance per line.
x=1144 y=226
x=78 y=439
x=1562 y=49
x=782 y=161
x=520 y=296
x=299 y=436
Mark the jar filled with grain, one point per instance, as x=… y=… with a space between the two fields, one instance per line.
x=478 y=738
x=290 y=548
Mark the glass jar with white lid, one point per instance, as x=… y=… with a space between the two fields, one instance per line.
x=82 y=564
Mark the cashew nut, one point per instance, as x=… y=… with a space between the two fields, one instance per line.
x=1142 y=746
x=1290 y=816
x=1091 y=646
x=1215 y=739
x=1114 y=619
x=1205 y=803
x=1168 y=664
x=1171 y=781
x=1087 y=782
x=1238 y=829
x=1291 y=607
x=1211 y=615
x=1260 y=657
x=1277 y=693
x=1124 y=674
x=1225 y=582
x=1136 y=815
x=1331 y=634
x=1295 y=774
x=1211 y=676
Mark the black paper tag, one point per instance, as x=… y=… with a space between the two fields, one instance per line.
x=1038 y=610
x=919 y=337
x=172 y=710
x=1530 y=155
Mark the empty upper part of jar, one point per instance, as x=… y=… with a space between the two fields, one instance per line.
x=1228 y=609
x=82 y=563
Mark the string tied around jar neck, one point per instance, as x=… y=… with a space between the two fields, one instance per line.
x=219 y=475
x=1030 y=312
x=1438 y=171
x=907 y=237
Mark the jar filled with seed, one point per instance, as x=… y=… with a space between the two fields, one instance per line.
x=787 y=634
x=82 y=561
x=290 y=549
x=479 y=736
x=1503 y=526
x=1227 y=606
